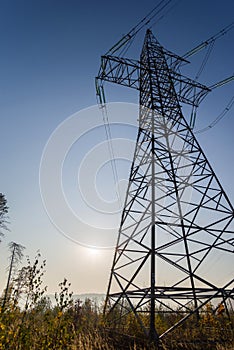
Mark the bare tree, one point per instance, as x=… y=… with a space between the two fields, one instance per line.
x=3 y=213
x=15 y=258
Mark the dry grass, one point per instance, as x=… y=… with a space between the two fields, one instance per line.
x=28 y=321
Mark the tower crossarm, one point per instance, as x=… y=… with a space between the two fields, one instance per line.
x=120 y=70
x=189 y=91
x=126 y=72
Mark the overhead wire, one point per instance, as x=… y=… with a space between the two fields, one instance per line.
x=193 y=115
x=205 y=60
x=154 y=15
x=111 y=153
x=163 y=15
x=127 y=47
x=208 y=41
x=219 y=117
x=148 y=21
x=141 y=24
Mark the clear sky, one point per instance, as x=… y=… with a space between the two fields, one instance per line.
x=50 y=54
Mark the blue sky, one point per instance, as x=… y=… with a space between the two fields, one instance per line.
x=50 y=54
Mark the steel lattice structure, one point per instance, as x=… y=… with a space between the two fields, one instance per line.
x=177 y=220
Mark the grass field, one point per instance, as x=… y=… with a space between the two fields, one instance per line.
x=28 y=320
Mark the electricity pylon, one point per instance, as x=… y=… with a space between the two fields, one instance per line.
x=176 y=238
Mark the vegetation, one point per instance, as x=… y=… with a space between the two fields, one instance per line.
x=29 y=321
x=16 y=256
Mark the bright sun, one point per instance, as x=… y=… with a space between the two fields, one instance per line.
x=93 y=251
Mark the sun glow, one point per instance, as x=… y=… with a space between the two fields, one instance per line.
x=93 y=252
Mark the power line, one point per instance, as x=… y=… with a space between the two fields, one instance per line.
x=123 y=52
x=111 y=151
x=209 y=41
x=219 y=117
x=163 y=15
x=205 y=60
x=141 y=24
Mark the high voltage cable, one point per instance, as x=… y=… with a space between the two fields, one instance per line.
x=110 y=147
x=125 y=49
x=111 y=152
x=162 y=16
x=219 y=118
x=131 y=38
x=205 y=60
x=209 y=41
x=153 y=15
x=142 y=23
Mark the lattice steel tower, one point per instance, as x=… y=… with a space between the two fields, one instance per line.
x=176 y=237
